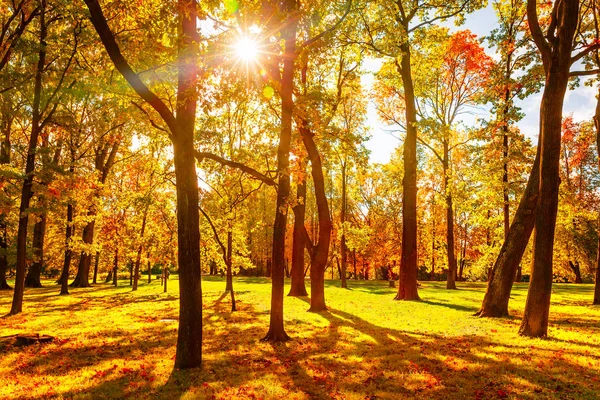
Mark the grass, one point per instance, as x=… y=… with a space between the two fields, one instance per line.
x=114 y=343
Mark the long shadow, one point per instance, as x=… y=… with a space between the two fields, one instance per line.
x=453 y=306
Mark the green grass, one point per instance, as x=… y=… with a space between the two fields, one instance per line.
x=114 y=343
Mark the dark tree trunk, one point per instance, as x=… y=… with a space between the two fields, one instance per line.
x=576 y=270
x=96 y=263
x=557 y=61
x=109 y=276
x=343 y=247
x=320 y=252
x=82 y=279
x=519 y=276
x=116 y=267
x=149 y=269
x=5 y=148
x=298 y=286
x=32 y=280
x=450 y=250
x=64 y=276
x=354 y=263
x=597 y=280
x=495 y=301
x=228 y=260
x=27 y=190
x=138 y=259
x=276 y=331
x=407 y=287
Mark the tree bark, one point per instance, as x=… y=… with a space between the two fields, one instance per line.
x=276 y=331
x=407 y=286
x=450 y=250
x=85 y=261
x=27 y=190
x=597 y=277
x=96 y=264
x=32 y=280
x=5 y=148
x=116 y=266
x=343 y=247
x=298 y=286
x=557 y=62
x=64 y=276
x=138 y=259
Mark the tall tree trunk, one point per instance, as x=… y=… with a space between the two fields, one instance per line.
x=138 y=259
x=116 y=266
x=298 y=286
x=597 y=125
x=495 y=301
x=32 y=280
x=149 y=269
x=276 y=331
x=407 y=287
x=64 y=276
x=228 y=273
x=5 y=147
x=27 y=191
x=82 y=279
x=354 y=264
x=343 y=247
x=450 y=250
x=96 y=264
x=320 y=252
x=557 y=62
x=505 y=132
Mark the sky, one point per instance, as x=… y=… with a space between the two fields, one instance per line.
x=580 y=102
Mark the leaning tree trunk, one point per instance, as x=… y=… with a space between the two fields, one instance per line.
x=407 y=287
x=32 y=280
x=27 y=190
x=276 y=331
x=450 y=251
x=557 y=62
x=298 y=286
x=495 y=301
x=138 y=259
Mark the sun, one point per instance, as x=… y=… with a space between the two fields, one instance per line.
x=246 y=49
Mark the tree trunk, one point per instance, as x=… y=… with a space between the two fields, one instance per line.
x=320 y=252
x=116 y=267
x=82 y=279
x=495 y=301
x=64 y=276
x=343 y=247
x=96 y=263
x=407 y=287
x=149 y=269
x=27 y=190
x=354 y=264
x=138 y=259
x=298 y=286
x=5 y=148
x=109 y=276
x=450 y=250
x=276 y=331
x=32 y=280
x=228 y=260
x=557 y=62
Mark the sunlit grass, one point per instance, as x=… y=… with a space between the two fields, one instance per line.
x=114 y=343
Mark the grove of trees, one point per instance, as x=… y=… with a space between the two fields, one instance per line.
x=202 y=137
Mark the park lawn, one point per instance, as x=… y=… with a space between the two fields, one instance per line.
x=115 y=343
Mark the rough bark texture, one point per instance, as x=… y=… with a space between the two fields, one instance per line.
x=556 y=58
x=407 y=287
x=27 y=191
x=298 y=286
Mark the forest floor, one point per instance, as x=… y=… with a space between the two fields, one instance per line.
x=115 y=343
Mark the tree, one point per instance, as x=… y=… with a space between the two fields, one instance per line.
x=555 y=46
x=181 y=131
